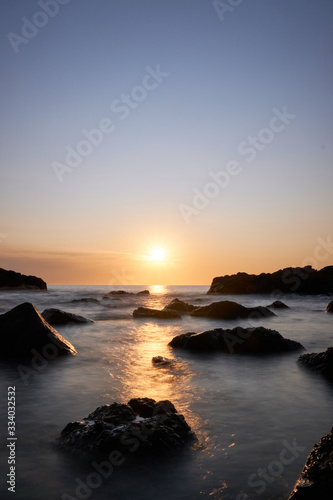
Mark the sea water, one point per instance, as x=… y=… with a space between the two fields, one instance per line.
x=256 y=417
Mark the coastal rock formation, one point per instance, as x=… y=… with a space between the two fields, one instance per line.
x=143 y=427
x=162 y=361
x=329 y=308
x=226 y=309
x=321 y=362
x=316 y=479
x=239 y=340
x=23 y=331
x=277 y=304
x=146 y=312
x=58 y=317
x=144 y=292
x=303 y=280
x=123 y=292
x=10 y=280
x=179 y=306
x=86 y=299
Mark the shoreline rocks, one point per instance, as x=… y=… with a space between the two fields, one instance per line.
x=302 y=280
x=319 y=362
x=146 y=312
x=277 y=304
x=56 y=317
x=11 y=280
x=180 y=306
x=226 y=309
x=143 y=427
x=23 y=331
x=329 y=308
x=316 y=479
x=238 y=340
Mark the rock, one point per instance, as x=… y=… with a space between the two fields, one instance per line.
x=10 y=280
x=329 y=308
x=88 y=299
x=321 y=363
x=303 y=280
x=145 y=312
x=160 y=360
x=179 y=306
x=23 y=330
x=257 y=340
x=227 y=309
x=277 y=304
x=123 y=292
x=59 y=317
x=316 y=479
x=143 y=428
x=144 y=292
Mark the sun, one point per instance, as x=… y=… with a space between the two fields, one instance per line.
x=157 y=254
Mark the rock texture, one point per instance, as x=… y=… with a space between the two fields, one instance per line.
x=56 y=317
x=277 y=304
x=303 y=280
x=10 y=280
x=321 y=363
x=180 y=306
x=227 y=309
x=143 y=427
x=316 y=479
x=257 y=340
x=145 y=312
x=329 y=308
x=23 y=330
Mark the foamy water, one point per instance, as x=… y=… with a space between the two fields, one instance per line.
x=245 y=410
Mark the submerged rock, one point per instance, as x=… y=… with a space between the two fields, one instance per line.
x=162 y=361
x=23 y=331
x=144 y=292
x=144 y=426
x=329 y=308
x=123 y=292
x=321 y=362
x=145 y=312
x=10 y=280
x=257 y=340
x=87 y=299
x=316 y=479
x=180 y=306
x=59 y=317
x=277 y=304
x=304 y=280
x=226 y=309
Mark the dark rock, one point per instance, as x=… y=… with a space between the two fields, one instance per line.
x=145 y=312
x=321 y=363
x=257 y=340
x=117 y=292
x=277 y=304
x=150 y=429
x=23 y=329
x=329 y=308
x=316 y=479
x=303 y=280
x=88 y=299
x=144 y=292
x=59 y=317
x=180 y=306
x=227 y=309
x=10 y=280
x=160 y=360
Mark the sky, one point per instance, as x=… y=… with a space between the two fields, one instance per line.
x=202 y=128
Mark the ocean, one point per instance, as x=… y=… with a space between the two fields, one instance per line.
x=256 y=417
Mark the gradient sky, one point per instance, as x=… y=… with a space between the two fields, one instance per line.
x=224 y=77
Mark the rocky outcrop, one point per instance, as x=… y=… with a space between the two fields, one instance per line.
x=257 y=340
x=143 y=428
x=85 y=300
x=180 y=306
x=56 y=317
x=10 y=280
x=123 y=292
x=277 y=304
x=303 y=280
x=162 y=361
x=227 y=309
x=146 y=312
x=320 y=363
x=23 y=331
x=144 y=292
x=316 y=479
x=329 y=308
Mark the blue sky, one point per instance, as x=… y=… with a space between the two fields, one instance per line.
x=224 y=79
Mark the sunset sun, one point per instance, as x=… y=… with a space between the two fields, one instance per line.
x=157 y=254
